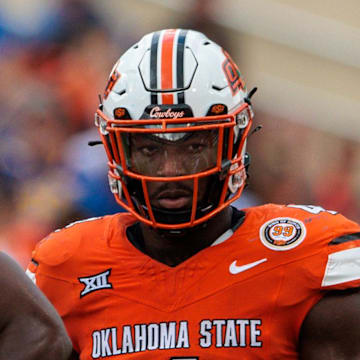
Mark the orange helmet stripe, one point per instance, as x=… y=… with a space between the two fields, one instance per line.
x=167 y=65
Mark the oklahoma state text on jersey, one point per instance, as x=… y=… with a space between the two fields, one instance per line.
x=244 y=297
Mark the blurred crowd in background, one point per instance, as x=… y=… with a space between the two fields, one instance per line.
x=49 y=176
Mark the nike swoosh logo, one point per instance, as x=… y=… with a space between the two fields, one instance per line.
x=234 y=269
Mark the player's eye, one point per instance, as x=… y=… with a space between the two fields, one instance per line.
x=196 y=147
x=149 y=150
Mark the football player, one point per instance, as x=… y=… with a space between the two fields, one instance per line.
x=182 y=274
x=30 y=327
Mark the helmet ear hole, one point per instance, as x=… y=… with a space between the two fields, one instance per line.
x=242 y=120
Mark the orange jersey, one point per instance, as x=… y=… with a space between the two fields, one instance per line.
x=244 y=297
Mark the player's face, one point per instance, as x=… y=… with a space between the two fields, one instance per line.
x=156 y=157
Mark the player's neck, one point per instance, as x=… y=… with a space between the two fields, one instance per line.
x=173 y=250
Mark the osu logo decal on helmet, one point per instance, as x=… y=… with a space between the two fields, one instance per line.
x=175 y=89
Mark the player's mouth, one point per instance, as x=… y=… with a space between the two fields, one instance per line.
x=174 y=199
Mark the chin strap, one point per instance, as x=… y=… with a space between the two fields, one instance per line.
x=250 y=95
x=258 y=128
x=94 y=142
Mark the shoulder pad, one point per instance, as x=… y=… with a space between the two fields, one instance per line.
x=62 y=244
x=307 y=213
x=56 y=248
x=285 y=227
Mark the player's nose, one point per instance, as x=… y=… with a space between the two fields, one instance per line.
x=172 y=164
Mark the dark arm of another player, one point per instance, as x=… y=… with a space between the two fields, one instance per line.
x=331 y=330
x=30 y=327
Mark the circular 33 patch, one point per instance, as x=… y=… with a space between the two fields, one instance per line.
x=282 y=233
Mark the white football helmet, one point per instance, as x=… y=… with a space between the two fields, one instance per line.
x=171 y=84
